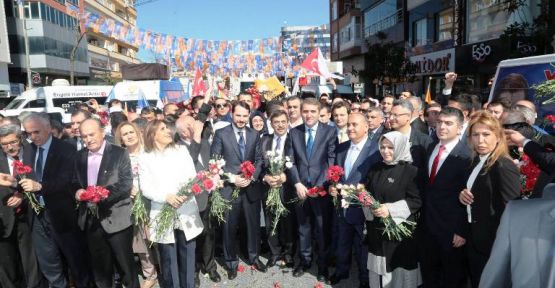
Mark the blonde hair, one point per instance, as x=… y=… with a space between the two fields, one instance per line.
x=117 y=137
x=501 y=149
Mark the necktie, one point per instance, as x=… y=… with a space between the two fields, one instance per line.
x=371 y=135
x=350 y=160
x=432 y=132
x=278 y=145
x=242 y=145
x=38 y=165
x=436 y=163
x=309 y=143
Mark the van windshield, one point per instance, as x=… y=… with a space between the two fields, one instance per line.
x=14 y=104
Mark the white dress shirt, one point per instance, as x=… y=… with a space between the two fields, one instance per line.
x=46 y=149
x=352 y=155
x=314 y=128
x=236 y=132
x=163 y=173
x=448 y=148
x=476 y=171
x=279 y=149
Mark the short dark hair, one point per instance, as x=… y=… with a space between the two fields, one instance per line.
x=114 y=102
x=196 y=100
x=465 y=100
x=311 y=101
x=450 y=111
x=147 y=110
x=327 y=107
x=501 y=102
x=117 y=118
x=293 y=98
x=278 y=113
x=86 y=113
x=341 y=104
x=242 y=104
x=405 y=103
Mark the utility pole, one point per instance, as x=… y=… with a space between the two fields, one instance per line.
x=26 y=39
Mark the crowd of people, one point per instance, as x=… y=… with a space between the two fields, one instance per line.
x=443 y=171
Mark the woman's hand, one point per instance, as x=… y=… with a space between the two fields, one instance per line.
x=382 y=211
x=134 y=192
x=175 y=201
x=466 y=197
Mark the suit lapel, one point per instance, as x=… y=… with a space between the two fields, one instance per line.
x=361 y=157
x=233 y=139
x=249 y=141
x=83 y=164
x=103 y=164
x=303 y=140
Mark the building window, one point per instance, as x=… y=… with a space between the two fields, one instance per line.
x=380 y=17
x=334 y=10
x=420 y=32
x=488 y=19
x=445 y=25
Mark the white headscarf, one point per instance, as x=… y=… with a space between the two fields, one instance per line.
x=401 y=147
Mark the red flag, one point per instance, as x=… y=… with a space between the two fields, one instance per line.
x=311 y=62
x=198 y=87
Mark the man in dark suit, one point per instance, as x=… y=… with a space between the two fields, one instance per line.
x=431 y=114
x=400 y=121
x=376 y=118
x=237 y=143
x=77 y=117
x=109 y=234
x=443 y=228
x=356 y=156
x=16 y=248
x=282 y=242
x=416 y=122
x=189 y=132
x=313 y=151
x=55 y=231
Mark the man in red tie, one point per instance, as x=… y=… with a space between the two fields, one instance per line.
x=443 y=219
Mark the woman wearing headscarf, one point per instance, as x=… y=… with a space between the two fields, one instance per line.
x=392 y=263
x=257 y=121
x=493 y=182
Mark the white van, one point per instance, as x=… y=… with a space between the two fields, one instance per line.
x=152 y=93
x=55 y=99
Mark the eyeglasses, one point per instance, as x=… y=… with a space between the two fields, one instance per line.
x=221 y=106
x=391 y=116
x=363 y=110
x=12 y=143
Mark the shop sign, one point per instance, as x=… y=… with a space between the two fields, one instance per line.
x=439 y=62
x=480 y=52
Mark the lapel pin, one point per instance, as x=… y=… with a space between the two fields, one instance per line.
x=390 y=180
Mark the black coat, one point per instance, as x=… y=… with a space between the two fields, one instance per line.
x=388 y=184
x=546 y=161
x=492 y=189
x=420 y=125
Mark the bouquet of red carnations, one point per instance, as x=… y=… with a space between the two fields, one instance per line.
x=247 y=171
x=21 y=170
x=93 y=195
x=529 y=173
x=333 y=175
x=357 y=195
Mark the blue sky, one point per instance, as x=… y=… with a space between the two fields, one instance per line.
x=229 y=19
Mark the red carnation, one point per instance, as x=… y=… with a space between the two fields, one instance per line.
x=200 y=176
x=529 y=172
x=196 y=189
x=20 y=168
x=312 y=192
x=208 y=184
x=240 y=268
x=334 y=173
x=247 y=169
x=322 y=192
x=550 y=118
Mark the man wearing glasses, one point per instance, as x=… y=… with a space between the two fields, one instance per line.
x=15 y=233
x=222 y=110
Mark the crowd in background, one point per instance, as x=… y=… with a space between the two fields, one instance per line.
x=451 y=167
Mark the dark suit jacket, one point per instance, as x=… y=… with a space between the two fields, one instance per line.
x=492 y=189
x=196 y=149
x=265 y=145
x=376 y=137
x=7 y=214
x=225 y=145
x=420 y=144
x=115 y=175
x=323 y=155
x=59 y=197
x=443 y=214
x=419 y=125
x=546 y=161
x=369 y=156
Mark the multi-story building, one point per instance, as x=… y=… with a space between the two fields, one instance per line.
x=107 y=53
x=346 y=35
x=5 y=55
x=305 y=38
x=51 y=35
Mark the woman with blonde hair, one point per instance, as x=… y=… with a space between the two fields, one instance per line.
x=493 y=182
x=129 y=136
x=163 y=169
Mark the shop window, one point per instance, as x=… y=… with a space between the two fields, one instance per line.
x=35 y=10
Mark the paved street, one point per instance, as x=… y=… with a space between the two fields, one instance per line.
x=254 y=279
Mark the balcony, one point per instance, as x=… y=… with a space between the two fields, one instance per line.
x=110 y=11
x=384 y=24
x=113 y=55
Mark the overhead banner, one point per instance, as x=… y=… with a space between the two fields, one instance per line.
x=216 y=57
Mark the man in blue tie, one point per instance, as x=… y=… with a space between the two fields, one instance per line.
x=236 y=143
x=312 y=151
x=55 y=231
x=356 y=156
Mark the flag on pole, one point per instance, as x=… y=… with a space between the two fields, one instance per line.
x=198 y=87
x=428 y=97
x=316 y=63
x=296 y=87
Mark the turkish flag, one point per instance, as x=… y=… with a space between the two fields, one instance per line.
x=198 y=85
x=316 y=63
